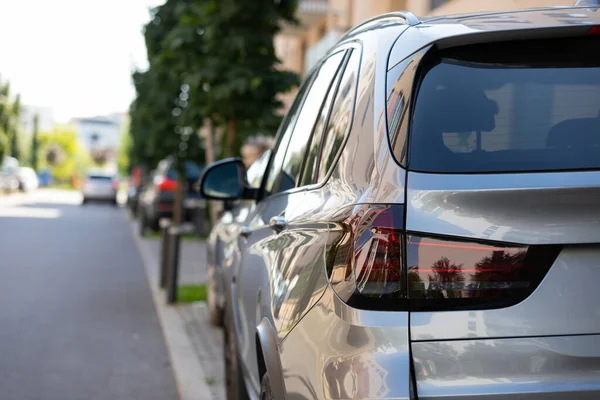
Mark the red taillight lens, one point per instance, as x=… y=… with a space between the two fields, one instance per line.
x=378 y=254
x=373 y=264
x=115 y=184
x=167 y=185
x=594 y=30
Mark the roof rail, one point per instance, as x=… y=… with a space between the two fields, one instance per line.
x=407 y=16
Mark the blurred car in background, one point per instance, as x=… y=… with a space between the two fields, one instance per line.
x=8 y=175
x=99 y=186
x=156 y=197
x=223 y=232
x=27 y=179
x=136 y=184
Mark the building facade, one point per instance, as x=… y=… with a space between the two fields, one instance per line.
x=45 y=118
x=323 y=22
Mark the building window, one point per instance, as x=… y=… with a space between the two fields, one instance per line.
x=437 y=3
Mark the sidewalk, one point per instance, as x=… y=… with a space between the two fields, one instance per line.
x=195 y=346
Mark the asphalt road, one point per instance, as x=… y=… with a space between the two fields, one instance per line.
x=76 y=316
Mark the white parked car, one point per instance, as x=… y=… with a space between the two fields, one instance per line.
x=27 y=179
x=101 y=187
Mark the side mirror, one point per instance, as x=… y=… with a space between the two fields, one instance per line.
x=224 y=180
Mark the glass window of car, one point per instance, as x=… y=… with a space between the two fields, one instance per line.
x=306 y=121
x=256 y=171
x=284 y=136
x=340 y=121
x=517 y=109
x=192 y=171
x=312 y=155
x=277 y=180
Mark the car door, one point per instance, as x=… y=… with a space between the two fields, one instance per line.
x=270 y=231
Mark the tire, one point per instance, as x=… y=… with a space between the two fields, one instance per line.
x=234 y=382
x=265 y=388
x=84 y=201
x=115 y=202
x=143 y=224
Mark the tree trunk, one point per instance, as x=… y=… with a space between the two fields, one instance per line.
x=178 y=205
x=214 y=206
x=230 y=137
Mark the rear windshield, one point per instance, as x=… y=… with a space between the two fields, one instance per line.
x=100 y=178
x=192 y=171
x=509 y=110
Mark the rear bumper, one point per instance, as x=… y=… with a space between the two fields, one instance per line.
x=564 y=367
x=362 y=354
x=100 y=196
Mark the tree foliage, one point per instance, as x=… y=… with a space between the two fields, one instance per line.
x=10 y=111
x=61 y=152
x=210 y=59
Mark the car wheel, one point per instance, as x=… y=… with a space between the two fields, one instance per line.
x=115 y=202
x=234 y=382
x=84 y=201
x=143 y=223
x=265 y=388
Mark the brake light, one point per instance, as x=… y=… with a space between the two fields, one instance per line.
x=114 y=184
x=594 y=30
x=373 y=263
x=167 y=185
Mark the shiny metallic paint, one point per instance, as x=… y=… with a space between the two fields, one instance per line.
x=565 y=303
x=566 y=367
x=322 y=336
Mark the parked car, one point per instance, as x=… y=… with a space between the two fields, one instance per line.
x=157 y=196
x=27 y=179
x=427 y=225
x=99 y=186
x=235 y=213
x=8 y=175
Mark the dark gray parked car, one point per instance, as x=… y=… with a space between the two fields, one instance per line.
x=157 y=195
x=428 y=225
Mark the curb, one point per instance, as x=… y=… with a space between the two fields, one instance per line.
x=186 y=366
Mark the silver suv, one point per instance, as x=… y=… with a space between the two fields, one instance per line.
x=428 y=225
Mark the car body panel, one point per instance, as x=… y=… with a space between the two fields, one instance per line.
x=99 y=187
x=534 y=208
x=566 y=367
x=452 y=31
x=565 y=303
x=329 y=350
x=338 y=352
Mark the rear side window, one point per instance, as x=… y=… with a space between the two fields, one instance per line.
x=192 y=171
x=306 y=121
x=342 y=113
x=512 y=110
x=100 y=178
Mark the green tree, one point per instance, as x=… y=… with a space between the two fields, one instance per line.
x=61 y=152
x=15 y=150
x=9 y=122
x=35 y=143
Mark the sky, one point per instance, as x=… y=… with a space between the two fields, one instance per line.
x=75 y=56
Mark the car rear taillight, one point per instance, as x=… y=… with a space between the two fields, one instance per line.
x=114 y=184
x=166 y=185
x=373 y=263
x=594 y=30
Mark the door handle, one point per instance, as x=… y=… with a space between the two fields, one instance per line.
x=245 y=231
x=278 y=224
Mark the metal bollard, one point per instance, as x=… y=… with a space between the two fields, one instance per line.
x=174 y=235
x=164 y=223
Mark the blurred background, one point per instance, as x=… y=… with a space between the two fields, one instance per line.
x=121 y=86
x=127 y=101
